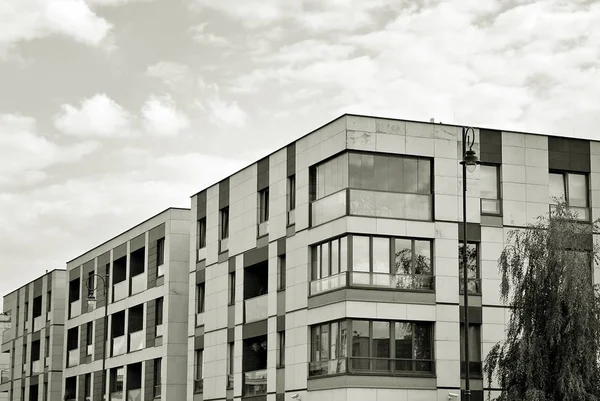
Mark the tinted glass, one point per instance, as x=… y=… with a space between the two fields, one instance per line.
x=335 y=257
x=471 y=259
x=381 y=255
x=360 y=253
x=578 y=192
x=488 y=182
x=557 y=187
x=396 y=174
x=403 y=256
x=410 y=176
x=424 y=177
x=422 y=257
x=360 y=338
x=382 y=173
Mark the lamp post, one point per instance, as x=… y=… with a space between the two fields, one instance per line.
x=469 y=163
x=92 y=300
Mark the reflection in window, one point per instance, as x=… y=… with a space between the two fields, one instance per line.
x=329 y=344
x=474 y=349
x=489 y=189
x=572 y=189
x=472 y=267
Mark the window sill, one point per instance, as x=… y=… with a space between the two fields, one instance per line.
x=281 y=289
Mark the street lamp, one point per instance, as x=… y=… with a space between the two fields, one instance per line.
x=92 y=301
x=469 y=163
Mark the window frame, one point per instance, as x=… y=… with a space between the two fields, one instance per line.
x=263 y=205
x=281 y=272
x=477 y=266
x=475 y=335
x=498 y=189
x=159 y=311
x=200 y=298
x=201 y=233
x=566 y=189
x=291 y=193
x=160 y=251
x=224 y=223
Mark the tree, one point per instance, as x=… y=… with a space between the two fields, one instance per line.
x=551 y=351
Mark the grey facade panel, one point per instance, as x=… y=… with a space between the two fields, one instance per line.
x=152 y=263
x=119 y=251
x=35 y=336
x=281 y=247
x=200 y=276
x=231 y=266
x=262 y=179
x=82 y=342
x=569 y=154
x=475 y=314
x=99 y=339
x=149 y=381
x=81 y=387
x=199 y=342
x=490 y=146
x=201 y=205
x=201 y=264
x=281 y=323
x=255 y=256
x=369 y=295
x=100 y=292
x=473 y=232
x=254 y=329
x=49 y=280
x=150 y=323
x=38 y=286
x=97 y=380
x=224 y=193
x=73 y=274
x=156 y=232
x=370 y=381
x=137 y=243
x=291 y=159
x=231 y=334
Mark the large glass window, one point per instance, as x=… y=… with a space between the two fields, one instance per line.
x=329 y=348
x=489 y=186
x=474 y=349
x=329 y=264
x=572 y=189
x=472 y=268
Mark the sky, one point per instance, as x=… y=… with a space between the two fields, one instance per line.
x=113 y=110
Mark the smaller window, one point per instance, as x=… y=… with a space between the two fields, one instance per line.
x=160 y=251
x=230 y=355
x=231 y=288
x=281 y=272
x=291 y=192
x=281 y=349
x=489 y=185
x=89 y=333
x=474 y=349
x=473 y=268
x=159 y=311
x=199 y=371
x=224 y=223
x=263 y=202
x=201 y=233
x=572 y=189
x=200 y=298
x=87 y=388
x=157 y=377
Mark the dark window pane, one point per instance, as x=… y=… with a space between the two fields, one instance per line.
x=367 y=172
x=410 y=176
x=360 y=344
x=424 y=176
x=381 y=169
x=355 y=163
x=403 y=256
x=423 y=343
x=472 y=258
x=403 y=342
x=423 y=257
x=396 y=175
x=381 y=345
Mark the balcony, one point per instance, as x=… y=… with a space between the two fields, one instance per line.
x=329 y=283
x=116 y=396
x=136 y=341
x=134 y=394
x=224 y=245
x=381 y=366
x=198 y=385
x=120 y=291
x=255 y=383
x=138 y=283
x=263 y=228
x=474 y=285
x=159 y=330
x=38 y=322
x=415 y=282
x=327 y=367
x=73 y=357
x=36 y=367
x=119 y=345
x=255 y=309
x=75 y=309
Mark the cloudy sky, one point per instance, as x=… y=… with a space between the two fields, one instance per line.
x=112 y=110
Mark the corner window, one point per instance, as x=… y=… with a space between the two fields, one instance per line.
x=201 y=228
x=573 y=189
x=489 y=185
x=474 y=282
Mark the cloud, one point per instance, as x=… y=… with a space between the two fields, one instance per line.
x=222 y=113
x=25 y=20
x=26 y=154
x=98 y=116
x=112 y=3
x=171 y=73
x=162 y=117
x=208 y=38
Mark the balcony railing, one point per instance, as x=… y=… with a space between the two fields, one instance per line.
x=291 y=217
x=38 y=322
x=255 y=383
x=4 y=376
x=255 y=309
x=582 y=213
x=394 y=281
x=120 y=291
x=327 y=367
x=136 y=341
x=116 y=396
x=328 y=283
x=134 y=394
x=138 y=283
x=73 y=357
x=224 y=245
x=159 y=330
x=474 y=285
x=119 y=345
x=75 y=309
x=36 y=367
x=263 y=228
x=198 y=385
x=328 y=208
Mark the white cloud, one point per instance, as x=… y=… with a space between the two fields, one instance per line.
x=25 y=20
x=208 y=38
x=112 y=3
x=171 y=73
x=223 y=113
x=162 y=117
x=25 y=153
x=98 y=116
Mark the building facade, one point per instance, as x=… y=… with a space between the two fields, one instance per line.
x=32 y=346
x=143 y=340
x=329 y=270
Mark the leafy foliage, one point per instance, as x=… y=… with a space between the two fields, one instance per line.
x=551 y=352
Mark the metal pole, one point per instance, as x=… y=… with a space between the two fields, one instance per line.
x=465 y=269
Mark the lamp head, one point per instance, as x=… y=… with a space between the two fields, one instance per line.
x=471 y=160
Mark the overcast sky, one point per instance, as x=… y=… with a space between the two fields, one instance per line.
x=113 y=110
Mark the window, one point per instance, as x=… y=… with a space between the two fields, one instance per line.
x=89 y=337
x=281 y=272
x=230 y=355
x=160 y=251
x=291 y=199
x=329 y=342
x=200 y=298
x=47 y=347
x=472 y=266
x=157 y=377
x=474 y=350
x=202 y=233
x=49 y=301
x=572 y=189
x=116 y=380
x=224 y=223
x=231 y=288
x=198 y=372
x=87 y=387
x=330 y=258
x=489 y=185
x=280 y=349
x=159 y=316
x=263 y=205
x=26 y=313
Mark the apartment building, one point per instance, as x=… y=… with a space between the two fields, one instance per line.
x=140 y=280
x=329 y=270
x=32 y=345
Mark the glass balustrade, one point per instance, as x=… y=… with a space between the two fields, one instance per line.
x=73 y=357
x=119 y=345
x=394 y=281
x=328 y=208
x=255 y=383
x=328 y=283
x=390 y=204
x=399 y=367
x=116 y=396
x=327 y=367
x=38 y=321
x=136 y=341
x=120 y=291
x=138 y=283
x=263 y=228
x=134 y=394
x=255 y=309
x=75 y=309
x=36 y=367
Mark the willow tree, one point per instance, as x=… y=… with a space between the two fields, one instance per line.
x=551 y=351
